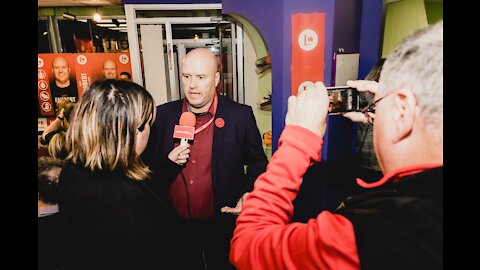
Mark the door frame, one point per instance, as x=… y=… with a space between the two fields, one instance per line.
x=133 y=40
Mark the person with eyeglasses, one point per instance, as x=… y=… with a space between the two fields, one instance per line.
x=397 y=223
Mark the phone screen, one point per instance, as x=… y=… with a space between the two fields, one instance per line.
x=342 y=99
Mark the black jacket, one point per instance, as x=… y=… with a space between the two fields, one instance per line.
x=236 y=144
x=400 y=225
x=112 y=222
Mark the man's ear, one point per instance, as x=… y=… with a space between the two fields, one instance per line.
x=217 y=78
x=404 y=106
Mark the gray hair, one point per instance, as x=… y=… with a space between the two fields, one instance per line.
x=416 y=64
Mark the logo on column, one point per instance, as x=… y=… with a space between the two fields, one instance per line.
x=307 y=40
x=305 y=85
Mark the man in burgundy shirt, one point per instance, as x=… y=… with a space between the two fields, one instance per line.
x=397 y=223
x=207 y=179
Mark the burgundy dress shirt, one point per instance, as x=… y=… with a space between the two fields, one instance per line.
x=191 y=193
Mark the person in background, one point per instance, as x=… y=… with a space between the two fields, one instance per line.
x=125 y=75
x=50 y=230
x=114 y=216
x=209 y=178
x=365 y=163
x=267 y=140
x=398 y=222
x=109 y=69
x=63 y=87
x=59 y=125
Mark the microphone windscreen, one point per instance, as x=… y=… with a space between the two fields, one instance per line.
x=187 y=119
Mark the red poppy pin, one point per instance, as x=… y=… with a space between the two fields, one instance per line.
x=219 y=122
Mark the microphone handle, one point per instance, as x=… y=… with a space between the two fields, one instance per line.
x=183 y=142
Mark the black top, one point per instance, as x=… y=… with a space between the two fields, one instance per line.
x=400 y=225
x=112 y=222
x=69 y=92
x=236 y=144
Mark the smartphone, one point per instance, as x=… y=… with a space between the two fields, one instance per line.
x=342 y=99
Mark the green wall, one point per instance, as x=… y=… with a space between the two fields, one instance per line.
x=402 y=18
x=81 y=11
x=434 y=12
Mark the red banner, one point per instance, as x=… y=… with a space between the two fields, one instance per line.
x=67 y=75
x=56 y=79
x=95 y=66
x=308 y=42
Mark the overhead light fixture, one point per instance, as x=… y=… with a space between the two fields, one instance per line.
x=69 y=16
x=195 y=37
x=96 y=16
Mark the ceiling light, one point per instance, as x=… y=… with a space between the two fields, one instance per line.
x=97 y=17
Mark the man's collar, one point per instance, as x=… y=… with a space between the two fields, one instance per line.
x=397 y=175
x=211 y=109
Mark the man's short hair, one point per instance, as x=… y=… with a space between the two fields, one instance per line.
x=417 y=64
x=127 y=74
x=48 y=172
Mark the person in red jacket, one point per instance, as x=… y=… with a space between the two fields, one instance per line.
x=398 y=222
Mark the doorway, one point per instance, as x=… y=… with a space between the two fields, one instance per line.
x=161 y=35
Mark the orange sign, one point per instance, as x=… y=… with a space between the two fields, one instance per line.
x=308 y=42
x=56 y=80
x=67 y=75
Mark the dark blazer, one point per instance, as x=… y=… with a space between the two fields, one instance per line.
x=236 y=144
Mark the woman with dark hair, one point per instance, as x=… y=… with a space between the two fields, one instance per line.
x=114 y=217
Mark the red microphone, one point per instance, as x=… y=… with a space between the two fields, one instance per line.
x=185 y=129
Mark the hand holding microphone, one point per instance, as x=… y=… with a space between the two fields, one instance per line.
x=185 y=130
x=180 y=154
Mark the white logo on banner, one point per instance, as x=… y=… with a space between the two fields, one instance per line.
x=123 y=58
x=46 y=106
x=305 y=85
x=41 y=74
x=42 y=85
x=44 y=95
x=308 y=40
x=40 y=62
x=81 y=59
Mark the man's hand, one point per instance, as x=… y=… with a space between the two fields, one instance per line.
x=238 y=207
x=362 y=86
x=309 y=109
